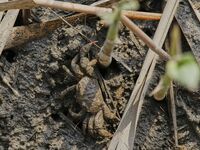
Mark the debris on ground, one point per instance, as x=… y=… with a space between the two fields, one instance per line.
x=55 y=95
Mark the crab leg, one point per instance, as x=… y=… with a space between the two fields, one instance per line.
x=90 y=67
x=91 y=128
x=76 y=115
x=85 y=125
x=66 y=91
x=75 y=67
x=84 y=60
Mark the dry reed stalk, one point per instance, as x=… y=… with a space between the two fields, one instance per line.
x=145 y=38
x=27 y=4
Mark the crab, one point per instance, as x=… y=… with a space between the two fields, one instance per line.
x=89 y=96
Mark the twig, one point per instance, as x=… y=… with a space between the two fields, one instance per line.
x=145 y=38
x=27 y=4
x=126 y=131
x=173 y=113
x=104 y=3
x=142 y=15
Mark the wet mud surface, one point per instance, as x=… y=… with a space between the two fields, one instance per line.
x=37 y=119
x=39 y=71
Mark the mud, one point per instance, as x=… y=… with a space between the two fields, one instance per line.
x=190 y=28
x=155 y=128
x=29 y=121
x=37 y=119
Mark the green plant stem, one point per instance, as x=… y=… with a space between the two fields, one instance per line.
x=105 y=55
x=113 y=29
x=162 y=88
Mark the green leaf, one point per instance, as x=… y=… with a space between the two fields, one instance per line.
x=185 y=71
x=130 y=5
x=160 y=91
x=108 y=17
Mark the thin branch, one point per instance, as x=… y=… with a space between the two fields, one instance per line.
x=142 y=15
x=26 y=4
x=146 y=39
x=173 y=112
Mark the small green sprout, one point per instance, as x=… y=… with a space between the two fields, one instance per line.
x=113 y=19
x=182 y=68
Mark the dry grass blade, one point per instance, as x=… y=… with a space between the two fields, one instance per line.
x=6 y=26
x=173 y=113
x=145 y=38
x=1 y=13
x=125 y=134
x=73 y=7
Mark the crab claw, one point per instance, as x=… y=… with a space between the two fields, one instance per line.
x=108 y=114
x=90 y=67
x=84 y=60
x=99 y=125
x=91 y=129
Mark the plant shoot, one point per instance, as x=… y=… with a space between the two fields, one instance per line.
x=182 y=68
x=113 y=19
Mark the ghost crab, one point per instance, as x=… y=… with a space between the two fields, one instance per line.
x=89 y=95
